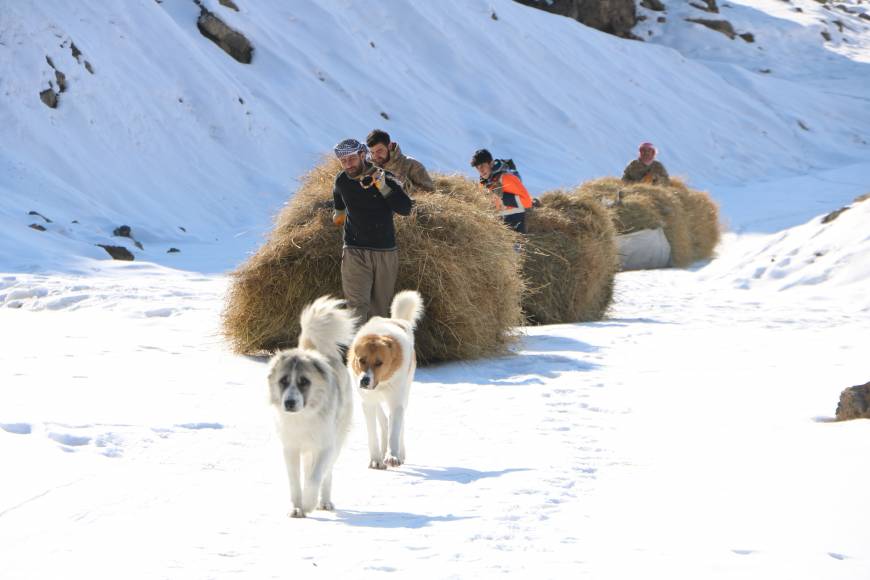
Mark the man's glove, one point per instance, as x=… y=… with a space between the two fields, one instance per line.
x=338 y=217
x=378 y=179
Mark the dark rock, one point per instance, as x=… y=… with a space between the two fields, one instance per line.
x=37 y=227
x=232 y=42
x=864 y=16
x=747 y=36
x=722 y=26
x=834 y=215
x=653 y=5
x=826 y=35
x=123 y=231
x=854 y=403
x=494 y=16
x=803 y=125
x=32 y=212
x=708 y=6
x=172 y=251
x=182 y=228
x=385 y=116
x=49 y=97
x=616 y=17
x=49 y=61
x=75 y=51
x=661 y=19
x=88 y=67
x=229 y=4
x=118 y=252
x=765 y=71
x=61 y=80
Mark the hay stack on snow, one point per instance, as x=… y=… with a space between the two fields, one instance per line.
x=703 y=215
x=688 y=220
x=453 y=252
x=570 y=260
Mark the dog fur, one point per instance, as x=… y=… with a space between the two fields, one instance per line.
x=382 y=362
x=311 y=395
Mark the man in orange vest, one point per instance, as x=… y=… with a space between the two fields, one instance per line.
x=500 y=178
x=645 y=169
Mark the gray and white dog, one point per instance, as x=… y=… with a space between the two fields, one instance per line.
x=311 y=395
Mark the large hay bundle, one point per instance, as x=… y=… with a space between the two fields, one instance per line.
x=570 y=260
x=457 y=255
x=646 y=206
x=703 y=216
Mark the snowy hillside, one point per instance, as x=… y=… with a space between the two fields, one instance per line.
x=169 y=132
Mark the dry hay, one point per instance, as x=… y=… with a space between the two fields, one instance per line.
x=570 y=260
x=457 y=255
x=703 y=214
x=646 y=206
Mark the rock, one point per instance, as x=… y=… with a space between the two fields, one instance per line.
x=708 y=6
x=61 y=80
x=230 y=41
x=229 y=4
x=37 y=227
x=854 y=403
x=49 y=97
x=172 y=251
x=33 y=212
x=616 y=17
x=722 y=26
x=747 y=36
x=834 y=215
x=653 y=5
x=123 y=231
x=118 y=252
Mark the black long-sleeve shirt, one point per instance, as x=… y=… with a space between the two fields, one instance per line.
x=369 y=222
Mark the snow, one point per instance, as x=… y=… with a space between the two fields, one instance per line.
x=687 y=435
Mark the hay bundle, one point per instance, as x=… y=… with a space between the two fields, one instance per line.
x=458 y=256
x=703 y=216
x=646 y=206
x=570 y=260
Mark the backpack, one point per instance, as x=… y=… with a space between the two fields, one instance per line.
x=507 y=166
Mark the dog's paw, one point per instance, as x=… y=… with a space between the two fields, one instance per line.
x=377 y=464
x=296 y=513
x=393 y=461
x=326 y=506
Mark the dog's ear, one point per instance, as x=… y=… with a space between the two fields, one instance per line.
x=319 y=368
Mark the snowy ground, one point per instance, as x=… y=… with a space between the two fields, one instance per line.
x=688 y=435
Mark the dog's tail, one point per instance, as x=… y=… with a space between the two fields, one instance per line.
x=326 y=326
x=407 y=305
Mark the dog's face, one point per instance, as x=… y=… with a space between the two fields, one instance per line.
x=295 y=379
x=375 y=359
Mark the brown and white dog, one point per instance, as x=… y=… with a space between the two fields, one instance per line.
x=382 y=363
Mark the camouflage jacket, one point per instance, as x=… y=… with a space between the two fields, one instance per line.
x=410 y=172
x=654 y=173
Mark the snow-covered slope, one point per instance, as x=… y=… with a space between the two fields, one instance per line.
x=169 y=132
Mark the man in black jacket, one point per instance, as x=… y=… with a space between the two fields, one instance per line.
x=365 y=199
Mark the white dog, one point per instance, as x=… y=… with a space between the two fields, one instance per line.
x=311 y=395
x=382 y=361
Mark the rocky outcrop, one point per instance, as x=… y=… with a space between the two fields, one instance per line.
x=118 y=252
x=854 y=403
x=232 y=42
x=614 y=16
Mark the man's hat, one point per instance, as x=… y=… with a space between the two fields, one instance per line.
x=348 y=147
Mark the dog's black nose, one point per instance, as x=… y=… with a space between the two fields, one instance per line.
x=365 y=381
x=290 y=405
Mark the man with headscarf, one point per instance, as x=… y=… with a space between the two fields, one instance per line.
x=645 y=169
x=366 y=197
